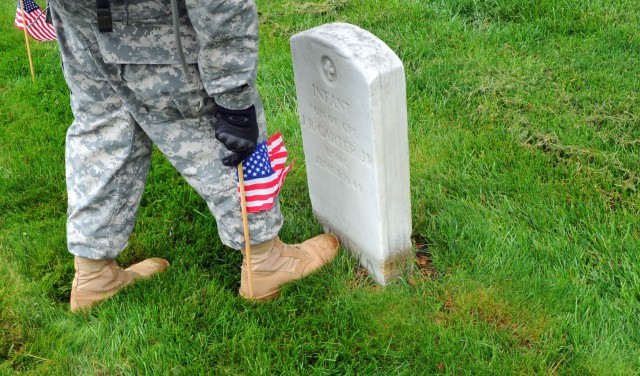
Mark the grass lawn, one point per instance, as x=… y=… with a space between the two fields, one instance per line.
x=524 y=131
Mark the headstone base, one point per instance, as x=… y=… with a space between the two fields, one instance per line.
x=382 y=271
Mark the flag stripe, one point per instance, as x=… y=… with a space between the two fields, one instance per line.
x=256 y=209
x=263 y=188
x=256 y=193
x=254 y=206
x=264 y=172
x=261 y=183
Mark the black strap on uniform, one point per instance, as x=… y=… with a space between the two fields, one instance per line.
x=103 y=13
x=47 y=19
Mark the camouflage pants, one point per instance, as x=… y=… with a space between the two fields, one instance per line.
x=120 y=111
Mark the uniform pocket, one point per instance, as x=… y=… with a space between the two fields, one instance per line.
x=137 y=43
x=151 y=85
x=144 y=11
x=159 y=89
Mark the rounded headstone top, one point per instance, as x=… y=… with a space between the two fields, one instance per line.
x=353 y=43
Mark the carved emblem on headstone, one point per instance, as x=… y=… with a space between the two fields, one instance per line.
x=329 y=68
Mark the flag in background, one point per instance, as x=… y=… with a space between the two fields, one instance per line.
x=35 y=18
x=264 y=173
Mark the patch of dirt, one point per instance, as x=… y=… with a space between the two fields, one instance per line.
x=587 y=161
x=482 y=306
x=11 y=338
x=329 y=7
x=361 y=279
x=424 y=258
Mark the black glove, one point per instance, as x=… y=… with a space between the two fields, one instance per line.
x=238 y=131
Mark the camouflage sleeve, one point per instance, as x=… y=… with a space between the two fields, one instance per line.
x=227 y=33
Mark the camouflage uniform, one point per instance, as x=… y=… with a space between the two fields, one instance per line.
x=127 y=93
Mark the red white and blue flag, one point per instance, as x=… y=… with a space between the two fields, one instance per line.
x=264 y=173
x=35 y=20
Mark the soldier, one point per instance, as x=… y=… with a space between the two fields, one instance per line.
x=180 y=76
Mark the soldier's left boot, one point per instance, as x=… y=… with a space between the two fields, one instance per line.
x=274 y=263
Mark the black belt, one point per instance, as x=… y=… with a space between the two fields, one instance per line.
x=103 y=14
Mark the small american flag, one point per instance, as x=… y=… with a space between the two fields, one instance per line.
x=264 y=173
x=35 y=19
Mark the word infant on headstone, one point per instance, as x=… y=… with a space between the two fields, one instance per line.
x=352 y=106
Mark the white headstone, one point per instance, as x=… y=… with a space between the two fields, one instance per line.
x=352 y=106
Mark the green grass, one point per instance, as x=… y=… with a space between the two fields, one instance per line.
x=524 y=137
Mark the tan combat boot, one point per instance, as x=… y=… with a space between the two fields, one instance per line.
x=275 y=263
x=96 y=280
